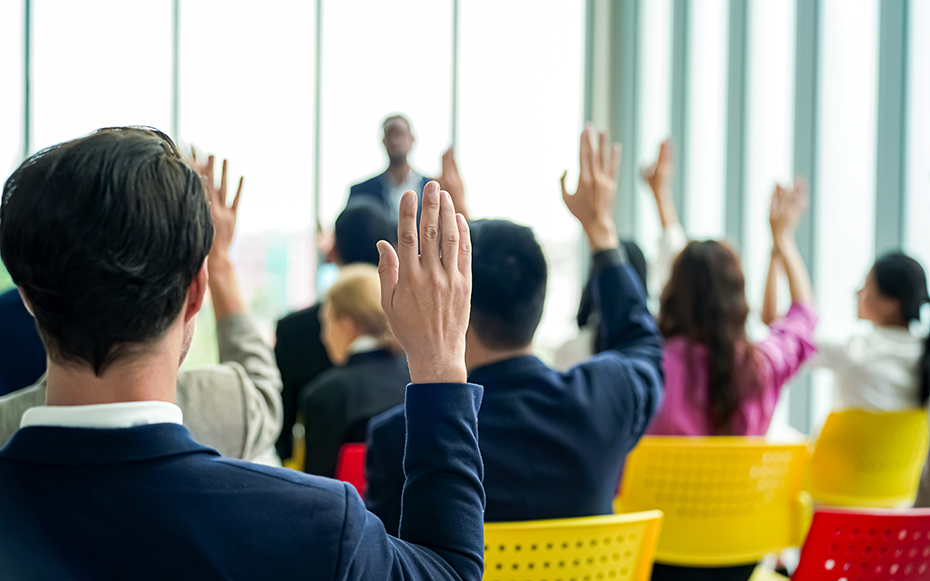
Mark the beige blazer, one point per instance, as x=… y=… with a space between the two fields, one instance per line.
x=233 y=407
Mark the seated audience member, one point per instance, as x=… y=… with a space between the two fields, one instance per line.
x=370 y=373
x=233 y=407
x=887 y=369
x=22 y=357
x=108 y=484
x=300 y=354
x=553 y=443
x=387 y=187
x=717 y=382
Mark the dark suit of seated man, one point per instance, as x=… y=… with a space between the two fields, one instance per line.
x=299 y=352
x=22 y=357
x=553 y=443
x=104 y=483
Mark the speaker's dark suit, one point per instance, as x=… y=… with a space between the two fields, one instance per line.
x=148 y=502
x=553 y=443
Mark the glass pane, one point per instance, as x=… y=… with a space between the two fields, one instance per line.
x=84 y=79
x=518 y=131
x=845 y=181
x=706 y=134
x=11 y=101
x=380 y=58
x=247 y=94
x=769 y=130
x=653 y=111
x=917 y=235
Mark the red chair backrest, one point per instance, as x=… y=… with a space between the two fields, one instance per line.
x=350 y=467
x=867 y=545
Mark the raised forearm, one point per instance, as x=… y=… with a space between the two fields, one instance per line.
x=668 y=215
x=224 y=287
x=798 y=278
x=770 y=301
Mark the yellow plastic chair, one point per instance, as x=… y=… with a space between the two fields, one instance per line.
x=727 y=501
x=865 y=459
x=613 y=547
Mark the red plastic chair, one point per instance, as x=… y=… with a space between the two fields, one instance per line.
x=867 y=546
x=350 y=466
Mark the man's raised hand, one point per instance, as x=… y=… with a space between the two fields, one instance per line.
x=451 y=181
x=593 y=201
x=426 y=293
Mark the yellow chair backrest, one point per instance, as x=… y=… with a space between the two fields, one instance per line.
x=866 y=459
x=613 y=547
x=727 y=500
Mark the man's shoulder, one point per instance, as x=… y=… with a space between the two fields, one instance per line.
x=387 y=423
x=370 y=185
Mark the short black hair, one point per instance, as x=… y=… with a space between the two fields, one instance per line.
x=390 y=118
x=359 y=228
x=104 y=235
x=508 y=283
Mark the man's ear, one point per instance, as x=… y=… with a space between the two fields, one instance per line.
x=26 y=302
x=196 y=293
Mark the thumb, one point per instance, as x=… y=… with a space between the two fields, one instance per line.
x=388 y=269
x=565 y=194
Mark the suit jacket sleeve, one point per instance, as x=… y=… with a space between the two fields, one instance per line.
x=234 y=407
x=633 y=342
x=384 y=461
x=442 y=526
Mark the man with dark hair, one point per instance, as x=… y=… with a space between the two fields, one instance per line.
x=299 y=351
x=553 y=443
x=107 y=237
x=387 y=187
x=233 y=407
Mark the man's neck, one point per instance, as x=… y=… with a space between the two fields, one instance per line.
x=475 y=358
x=398 y=171
x=149 y=377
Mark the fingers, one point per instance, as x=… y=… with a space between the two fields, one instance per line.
x=429 y=226
x=565 y=194
x=616 y=154
x=208 y=172
x=193 y=154
x=464 y=250
x=407 y=250
x=388 y=271
x=235 y=206
x=585 y=157
x=449 y=231
x=223 y=184
x=603 y=151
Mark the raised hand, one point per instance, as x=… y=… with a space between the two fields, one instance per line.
x=788 y=205
x=426 y=295
x=224 y=217
x=451 y=181
x=659 y=174
x=593 y=201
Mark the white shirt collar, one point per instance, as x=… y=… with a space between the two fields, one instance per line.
x=364 y=344
x=109 y=415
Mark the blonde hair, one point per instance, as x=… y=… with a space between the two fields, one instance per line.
x=356 y=294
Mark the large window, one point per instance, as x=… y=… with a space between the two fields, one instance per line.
x=11 y=103
x=917 y=164
x=99 y=63
x=520 y=106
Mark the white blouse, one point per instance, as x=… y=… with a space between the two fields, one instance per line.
x=878 y=371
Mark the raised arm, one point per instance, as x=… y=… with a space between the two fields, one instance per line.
x=235 y=406
x=770 y=300
x=426 y=296
x=788 y=205
x=451 y=181
x=659 y=177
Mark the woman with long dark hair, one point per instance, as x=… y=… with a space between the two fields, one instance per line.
x=717 y=381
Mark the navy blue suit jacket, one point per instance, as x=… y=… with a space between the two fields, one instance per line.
x=553 y=443
x=150 y=503
x=22 y=355
x=374 y=187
